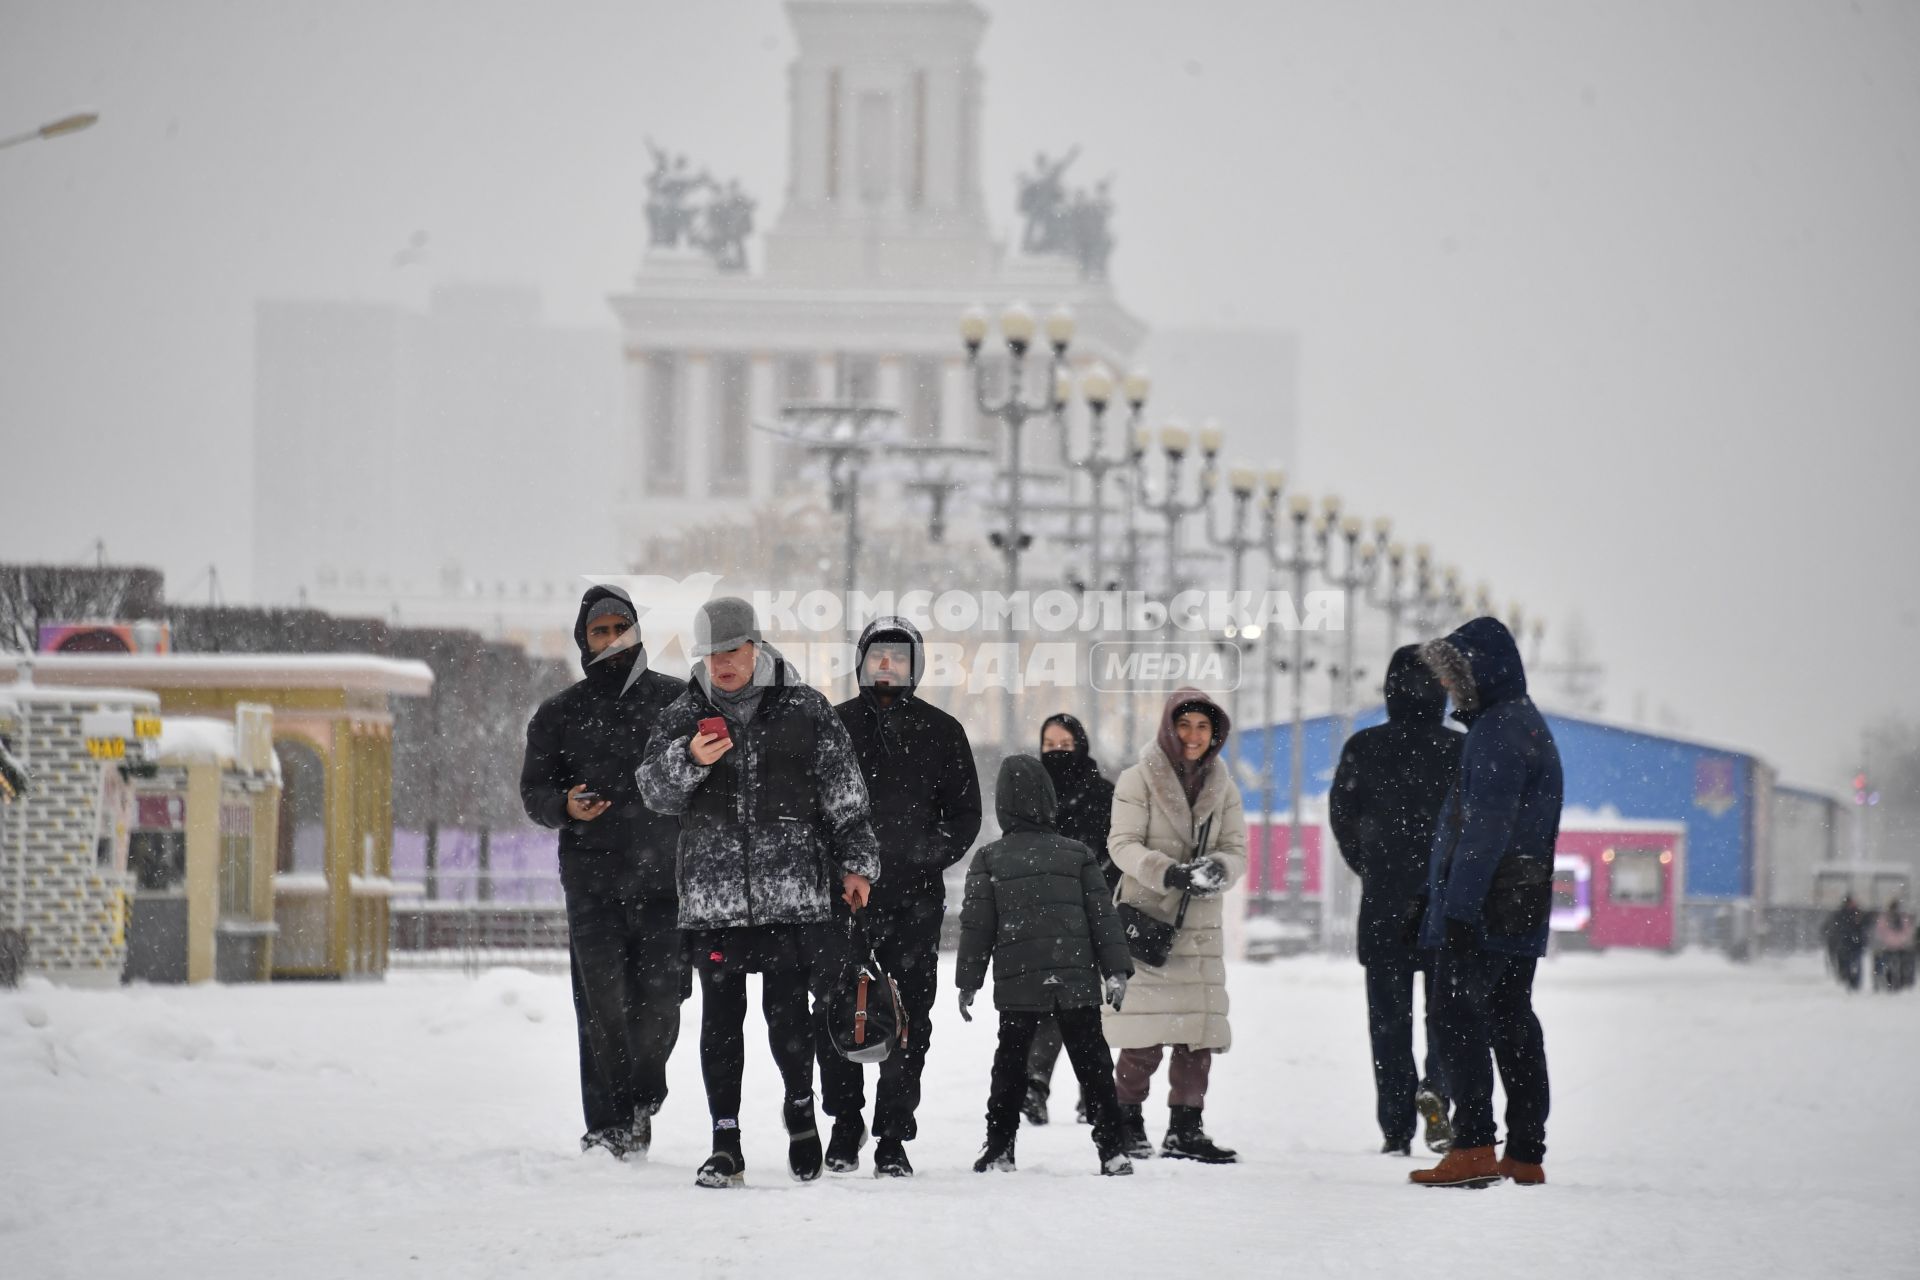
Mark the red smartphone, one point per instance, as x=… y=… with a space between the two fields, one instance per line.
x=716 y=724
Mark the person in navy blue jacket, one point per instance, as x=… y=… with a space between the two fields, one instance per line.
x=1489 y=893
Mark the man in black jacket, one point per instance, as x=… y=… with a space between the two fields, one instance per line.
x=925 y=796
x=616 y=867
x=1387 y=794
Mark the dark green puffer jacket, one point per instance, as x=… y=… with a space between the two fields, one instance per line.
x=1037 y=903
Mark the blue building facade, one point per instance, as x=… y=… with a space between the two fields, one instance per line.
x=1723 y=797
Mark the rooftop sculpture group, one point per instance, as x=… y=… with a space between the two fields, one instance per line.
x=718 y=226
x=1067 y=223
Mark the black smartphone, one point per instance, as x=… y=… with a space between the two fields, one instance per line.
x=587 y=797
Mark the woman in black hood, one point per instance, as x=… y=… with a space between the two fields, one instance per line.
x=1085 y=797
x=1085 y=800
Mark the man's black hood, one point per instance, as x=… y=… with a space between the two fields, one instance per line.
x=1414 y=694
x=617 y=667
x=1023 y=797
x=899 y=631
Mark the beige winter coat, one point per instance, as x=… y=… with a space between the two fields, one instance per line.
x=1184 y=1002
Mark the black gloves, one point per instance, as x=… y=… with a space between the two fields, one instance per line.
x=1204 y=878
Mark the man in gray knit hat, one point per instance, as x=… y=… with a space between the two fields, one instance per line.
x=773 y=820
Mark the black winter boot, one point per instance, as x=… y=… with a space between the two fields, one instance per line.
x=996 y=1156
x=803 y=1139
x=726 y=1167
x=1113 y=1159
x=1186 y=1140
x=1034 y=1105
x=844 y=1146
x=613 y=1141
x=890 y=1159
x=641 y=1136
x=1133 y=1132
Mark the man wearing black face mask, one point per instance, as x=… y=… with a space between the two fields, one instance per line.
x=925 y=796
x=616 y=866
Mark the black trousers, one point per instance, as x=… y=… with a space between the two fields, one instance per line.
x=908 y=948
x=1086 y=1046
x=1390 y=980
x=1847 y=961
x=1044 y=1056
x=723 y=1034
x=1484 y=1005
x=628 y=983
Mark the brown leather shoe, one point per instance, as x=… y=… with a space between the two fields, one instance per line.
x=1522 y=1173
x=1460 y=1167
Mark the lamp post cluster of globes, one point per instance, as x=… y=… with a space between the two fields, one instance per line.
x=1255 y=515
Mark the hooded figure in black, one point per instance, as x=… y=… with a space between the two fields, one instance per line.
x=1387 y=794
x=616 y=866
x=1489 y=896
x=925 y=798
x=1846 y=936
x=1086 y=814
x=1038 y=907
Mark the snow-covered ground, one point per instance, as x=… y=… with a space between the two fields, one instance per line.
x=1709 y=1120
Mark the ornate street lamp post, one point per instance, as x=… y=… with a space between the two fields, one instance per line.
x=1096 y=388
x=1017 y=330
x=1236 y=540
x=1304 y=553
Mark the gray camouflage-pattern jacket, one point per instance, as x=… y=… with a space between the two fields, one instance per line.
x=767 y=830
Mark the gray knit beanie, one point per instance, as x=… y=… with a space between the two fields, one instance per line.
x=723 y=624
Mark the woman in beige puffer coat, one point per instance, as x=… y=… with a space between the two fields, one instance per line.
x=1161 y=806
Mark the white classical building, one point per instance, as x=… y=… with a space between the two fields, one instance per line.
x=882 y=240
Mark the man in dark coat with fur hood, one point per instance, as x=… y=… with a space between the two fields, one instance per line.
x=1386 y=797
x=925 y=796
x=616 y=868
x=1489 y=895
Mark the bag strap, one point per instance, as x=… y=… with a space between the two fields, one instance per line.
x=1180 y=916
x=860 y=1010
x=1199 y=852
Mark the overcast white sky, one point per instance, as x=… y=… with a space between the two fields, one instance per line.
x=1616 y=303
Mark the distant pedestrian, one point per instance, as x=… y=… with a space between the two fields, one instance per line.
x=1846 y=934
x=1893 y=949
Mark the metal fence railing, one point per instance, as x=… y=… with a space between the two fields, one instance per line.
x=476 y=919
